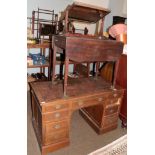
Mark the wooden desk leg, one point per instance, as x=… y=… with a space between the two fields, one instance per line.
x=93 y=69
x=66 y=75
x=54 y=63
x=97 y=69
x=115 y=73
x=88 y=69
x=74 y=67
x=49 y=68
x=61 y=65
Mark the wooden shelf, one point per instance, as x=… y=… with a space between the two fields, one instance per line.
x=39 y=66
x=43 y=45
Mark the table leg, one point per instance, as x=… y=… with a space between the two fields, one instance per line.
x=115 y=73
x=61 y=65
x=54 y=63
x=97 y=69
x=66 y=75
x=88 y=69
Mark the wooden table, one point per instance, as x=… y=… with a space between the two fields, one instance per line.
x=52 y=112
x=85 y=49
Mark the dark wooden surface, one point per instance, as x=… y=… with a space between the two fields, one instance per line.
x=47 y=91
x=82 y=49
x=51 y=111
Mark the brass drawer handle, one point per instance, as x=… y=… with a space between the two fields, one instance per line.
x=100 y=99
x=57 y=126
x=58 y=106
x=57 y=115
x=80 y=103
x=56 y=40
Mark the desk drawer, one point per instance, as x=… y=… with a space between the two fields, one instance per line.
x=111 y=109
x=57 y=126
x=57 y=106
x=56 y=116
x=89 y=101
x=113 y=101
x=110 y=120
x=56 y=137
x=115 y=95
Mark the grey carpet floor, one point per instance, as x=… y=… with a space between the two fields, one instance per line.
x=83 y=139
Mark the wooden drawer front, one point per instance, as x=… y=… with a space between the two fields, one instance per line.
x=111 y=109
x=52 y=127
x=115 y=94
x=56 y=137
x=85 y=102
x=110 y=120
x=56 y=116
x=58 y=106
x=114 y=101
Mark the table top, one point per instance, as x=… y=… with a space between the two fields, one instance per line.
x=47 y=92
x=84 y=12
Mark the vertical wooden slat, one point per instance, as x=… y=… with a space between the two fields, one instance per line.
x=101 y=27
x=88 y=69
x=33 y=18
x=115 y=73
x=97 y=69
x=54 y=62
x=66 y=22
x=66 y=75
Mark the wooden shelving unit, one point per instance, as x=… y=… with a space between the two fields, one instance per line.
x=42 y=47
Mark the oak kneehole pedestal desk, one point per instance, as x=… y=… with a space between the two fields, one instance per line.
x=51 y=111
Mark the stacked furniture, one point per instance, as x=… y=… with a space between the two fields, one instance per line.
x=53 y=102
